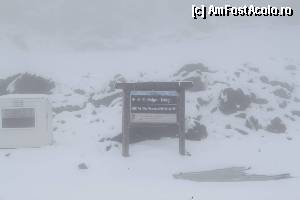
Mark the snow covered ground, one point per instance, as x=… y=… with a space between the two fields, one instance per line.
x=52 y=172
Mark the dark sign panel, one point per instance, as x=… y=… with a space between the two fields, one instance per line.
x=18 y=118
x=153 y=106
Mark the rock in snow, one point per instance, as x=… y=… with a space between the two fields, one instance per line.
x=207 y=94
x=26 y=84
x=197 y=132
x=276 y=126
x=253 y=123
x=82 y=166
x=231 y=101
x=282 y=93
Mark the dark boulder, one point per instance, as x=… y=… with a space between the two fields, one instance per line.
x=228 y=126
x=241 y=115
x=290 y=118
x=32 y=84
x=194 y=73
x=138 y=134
x=26 y=84
x=68 y=108
x=190 y=68
x=82 y=166
x=296 y=112
x=106 y=100
x=291 y=67
x=241 y=131
x=276 y=126
x=231 y=101
x=112 y=84
x=5 y=82
x=297 y=100
x=253 y=69
x=253 y=123
x=109 y=94
x=264 y=79
x=80 y=91
x=203 y=102
x=213 y=110
x=197 y=132
x=198 y=84
x=285 y=85
x=282 y=84
x=283 y=104
x=256 y=100
x=282 y=93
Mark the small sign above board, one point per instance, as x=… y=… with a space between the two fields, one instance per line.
x=159 y=107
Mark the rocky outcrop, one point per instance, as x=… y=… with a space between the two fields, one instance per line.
x=231 y=101
x=242 y=132
x=276 y=126
x=106 y=100
x=284 y=85
x=68 y=108
x=296 y=112
x=282 y=93
x=291 y=67
x=256 y=100
x=26 y=84
x=109 y=94
x=197 y=132
x=253 y=123
x=194 y=73
x=189 y=68
x=5 y=82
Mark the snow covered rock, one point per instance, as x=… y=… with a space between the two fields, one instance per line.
x=242 y=132
x=231 y=101
x=241 y=115
x=253 y=123
x=5 y=82
x=68 y=108
x=256 y=100
x=108 y=95
x=30 y=84
x=197 y=132
x=194 y=73
x=285 y=85
x=282 y=93
x=296 y=112
x=276 y=126
x=82 y=166
x=198 y=84
x=26 y=84
x=190 y=68
x=291 y=67
x=106 y=100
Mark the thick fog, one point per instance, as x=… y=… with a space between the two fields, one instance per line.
x=226 y=120
x=34 y=33
x=74 y=19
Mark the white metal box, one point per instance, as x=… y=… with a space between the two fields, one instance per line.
x=25 y=121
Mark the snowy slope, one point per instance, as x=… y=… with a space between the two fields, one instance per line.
x=234 y=58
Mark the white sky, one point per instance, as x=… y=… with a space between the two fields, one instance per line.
x=119 y=17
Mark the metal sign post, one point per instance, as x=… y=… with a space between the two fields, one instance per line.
x=153 y=104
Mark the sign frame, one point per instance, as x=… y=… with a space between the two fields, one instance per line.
x=178 y=87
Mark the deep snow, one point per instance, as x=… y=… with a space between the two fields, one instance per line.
x=52 y=172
